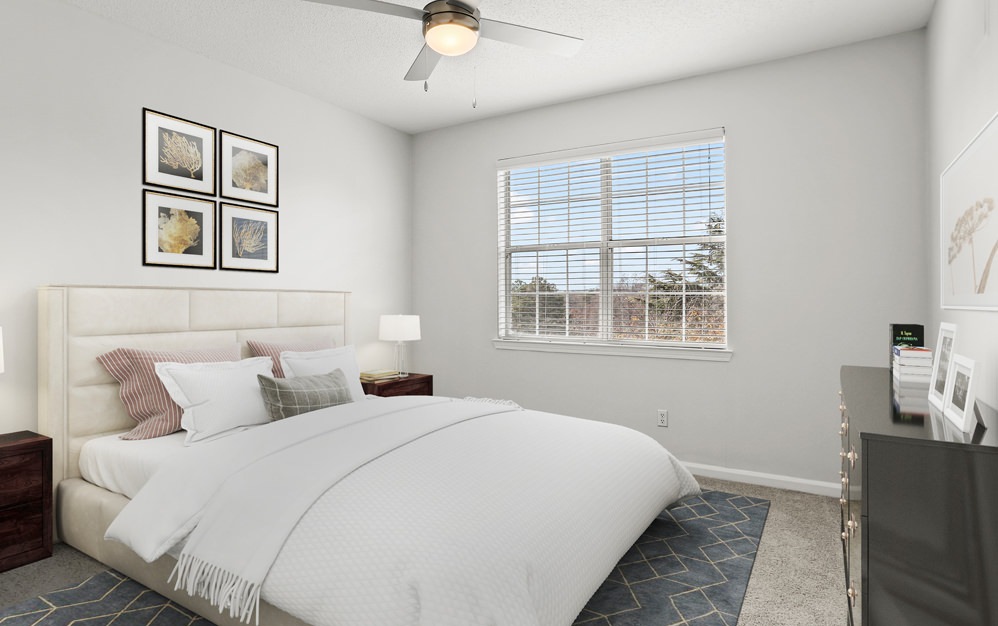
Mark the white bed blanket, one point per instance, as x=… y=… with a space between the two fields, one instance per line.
x=512 y=518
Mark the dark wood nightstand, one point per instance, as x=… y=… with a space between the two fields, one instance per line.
x=411 y=385
x=25 y=499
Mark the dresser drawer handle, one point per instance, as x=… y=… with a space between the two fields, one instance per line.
x=851 y=455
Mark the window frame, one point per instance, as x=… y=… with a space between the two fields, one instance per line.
x=604 y=342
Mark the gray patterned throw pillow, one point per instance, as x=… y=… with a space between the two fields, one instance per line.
x=286 y=397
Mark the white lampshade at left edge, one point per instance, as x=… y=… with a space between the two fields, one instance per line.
x=1 y=349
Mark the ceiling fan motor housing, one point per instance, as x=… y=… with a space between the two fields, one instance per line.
x=442 y=12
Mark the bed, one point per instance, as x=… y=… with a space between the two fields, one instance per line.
x=372 y=533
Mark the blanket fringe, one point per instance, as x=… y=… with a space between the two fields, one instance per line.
x=220 y=587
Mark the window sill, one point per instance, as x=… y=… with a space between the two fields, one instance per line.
x=656 y=352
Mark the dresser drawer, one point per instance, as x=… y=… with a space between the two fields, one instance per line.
x=22 y=477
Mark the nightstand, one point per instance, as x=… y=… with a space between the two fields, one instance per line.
x=411 y=385
x=25 y=499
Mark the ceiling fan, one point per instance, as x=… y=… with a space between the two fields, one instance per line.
x=452 y=28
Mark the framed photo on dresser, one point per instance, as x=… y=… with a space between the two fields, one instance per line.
x=960 y=395
x=941 y=364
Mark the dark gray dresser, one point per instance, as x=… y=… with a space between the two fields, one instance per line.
x=919 y=510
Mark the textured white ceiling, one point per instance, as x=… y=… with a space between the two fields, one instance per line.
x=356 y=60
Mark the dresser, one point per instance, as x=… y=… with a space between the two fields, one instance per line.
x=25 y=499
x=918 y=510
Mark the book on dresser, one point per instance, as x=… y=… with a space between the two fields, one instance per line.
x=912 y=364
x=907 y=335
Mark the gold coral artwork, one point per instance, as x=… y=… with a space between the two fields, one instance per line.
x=178 y=153
x=248 y=169
x=968 y=188
x=178 y=231
x=249 y=238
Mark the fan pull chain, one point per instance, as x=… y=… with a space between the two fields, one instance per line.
x=474 y=89
x=426 y=85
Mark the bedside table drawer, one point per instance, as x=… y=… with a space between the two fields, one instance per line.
x=22 y=478
x=407 y=388
x=21 y=530
x=412 y=385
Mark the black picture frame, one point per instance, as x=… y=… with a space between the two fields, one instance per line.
x=248 y=169
x=178 y=153
x=248 y=238
x=177 y=231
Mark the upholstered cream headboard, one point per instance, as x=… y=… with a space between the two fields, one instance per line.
x=78 y=399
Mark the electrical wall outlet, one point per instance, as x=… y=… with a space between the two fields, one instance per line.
x=663 y=417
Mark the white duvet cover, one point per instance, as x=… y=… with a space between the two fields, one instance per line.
x=496 y=517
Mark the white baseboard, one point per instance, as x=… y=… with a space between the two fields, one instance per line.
x=831 y=489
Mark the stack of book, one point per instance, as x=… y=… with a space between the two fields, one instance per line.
x=912 y=364
x=374 y=376
x=912 y=371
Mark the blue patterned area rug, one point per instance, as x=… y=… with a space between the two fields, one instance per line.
x=690 y=568
x=106 y=599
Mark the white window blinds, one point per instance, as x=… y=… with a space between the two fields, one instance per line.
x=623 y=246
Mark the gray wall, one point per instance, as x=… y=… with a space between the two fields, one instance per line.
x=963 y=96
x=71 y=122
x=826 y=197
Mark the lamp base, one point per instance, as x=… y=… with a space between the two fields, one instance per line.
x=400 y=359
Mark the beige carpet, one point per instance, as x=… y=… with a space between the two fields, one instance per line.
x=798 y=578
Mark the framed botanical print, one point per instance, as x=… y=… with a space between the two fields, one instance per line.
x=248 y=238
x=248 y=169
x=967 y=227
x=178 y=231
x=960 y=395
x=177 y=153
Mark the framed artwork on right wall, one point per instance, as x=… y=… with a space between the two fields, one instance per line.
x=968 y=229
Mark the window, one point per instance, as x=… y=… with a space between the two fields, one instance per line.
x=624 y=246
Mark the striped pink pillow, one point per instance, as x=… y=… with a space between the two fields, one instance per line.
x=144 y=396
x=274 y=350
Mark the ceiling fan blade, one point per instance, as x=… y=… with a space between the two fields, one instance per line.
x=376 y=6
x=527 y=37
x=422 y=67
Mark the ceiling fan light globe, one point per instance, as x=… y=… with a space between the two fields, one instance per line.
x=451 y=39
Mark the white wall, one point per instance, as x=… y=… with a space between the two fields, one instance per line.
x=73 y=89
x=963 y=96
x=826 y=197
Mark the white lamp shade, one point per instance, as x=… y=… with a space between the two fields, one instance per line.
x=399 y=328
x=1 y=350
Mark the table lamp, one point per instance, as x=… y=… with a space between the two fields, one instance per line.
x=399 y=328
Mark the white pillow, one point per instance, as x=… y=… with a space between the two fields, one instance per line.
x=323 y=362
x=216 y=397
